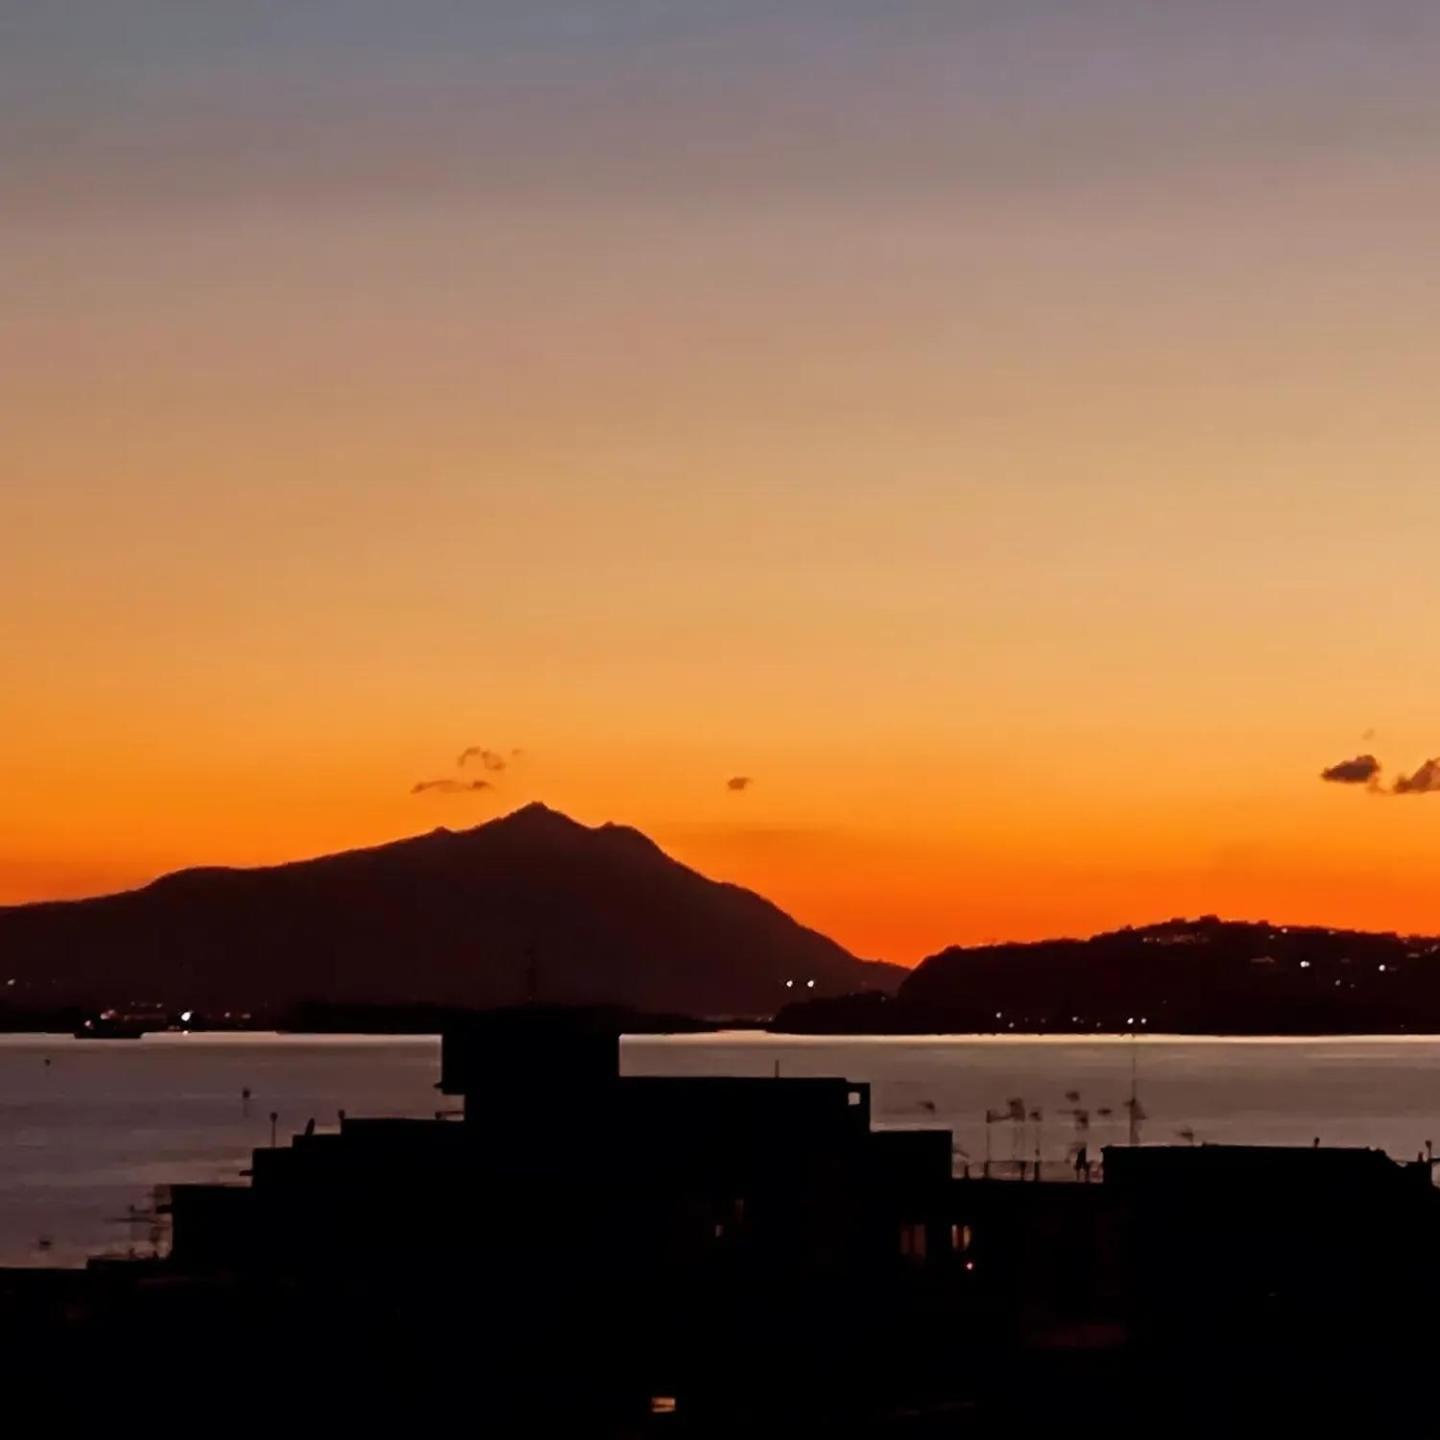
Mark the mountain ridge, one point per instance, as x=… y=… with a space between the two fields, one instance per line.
x=1179 y=976
x=532 y=902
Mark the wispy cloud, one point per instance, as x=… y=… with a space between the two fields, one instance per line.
x=1362 y=770
x=1365 y=770
x=1425 y=781
x=449 y=787
x=489 y=759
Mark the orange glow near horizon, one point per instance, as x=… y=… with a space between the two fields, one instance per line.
x=1027 y=476
x=886 y=888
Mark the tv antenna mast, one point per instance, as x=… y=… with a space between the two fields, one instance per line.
x=1133 y=1103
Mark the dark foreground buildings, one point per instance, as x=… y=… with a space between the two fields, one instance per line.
x=589 y=1254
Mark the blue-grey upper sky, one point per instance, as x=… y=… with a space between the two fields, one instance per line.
x=136 y=103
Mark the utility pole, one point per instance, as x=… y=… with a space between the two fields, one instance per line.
x=1134 y=1106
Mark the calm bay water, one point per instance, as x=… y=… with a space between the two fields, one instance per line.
x=88 y=1128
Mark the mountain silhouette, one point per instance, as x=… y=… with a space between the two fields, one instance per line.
x=1205 y=976
x=530 y=906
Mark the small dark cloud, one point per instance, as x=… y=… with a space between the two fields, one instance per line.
x=1362 y=770
x=739 y=782
x=1425 y=781
x=449 y=787
x=489 y=759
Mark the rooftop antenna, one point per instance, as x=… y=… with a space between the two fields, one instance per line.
x=532 y=974
x=1015 y=1111
x=1133 y=1103
x=1079 y=1150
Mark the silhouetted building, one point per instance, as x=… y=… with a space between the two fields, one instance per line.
x=732 y=1254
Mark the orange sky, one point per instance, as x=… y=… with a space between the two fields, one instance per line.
x=1011 y=443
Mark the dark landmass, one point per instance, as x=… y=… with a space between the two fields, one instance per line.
x=530 y=906
x=1206 y=976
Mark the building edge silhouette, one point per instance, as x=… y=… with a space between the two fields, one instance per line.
x=733 y=1256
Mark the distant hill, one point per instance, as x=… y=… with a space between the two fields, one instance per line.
x=1205 y=976
x=530 y=904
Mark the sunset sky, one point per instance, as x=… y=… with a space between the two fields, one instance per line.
x=1006 y=431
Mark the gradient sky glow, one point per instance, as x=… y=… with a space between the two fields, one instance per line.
x=1004 y=430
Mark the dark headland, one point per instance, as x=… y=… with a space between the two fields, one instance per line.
x=534 y=906
x=1181 y=977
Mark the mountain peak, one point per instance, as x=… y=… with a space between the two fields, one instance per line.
x=536 y=816
x=532 y=901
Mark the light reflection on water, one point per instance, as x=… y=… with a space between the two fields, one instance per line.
x=86 y=1136
x=1352 y=1090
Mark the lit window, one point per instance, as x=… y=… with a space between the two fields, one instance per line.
x=961 y=1238
x=662 y=1404
x=912 y=1240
